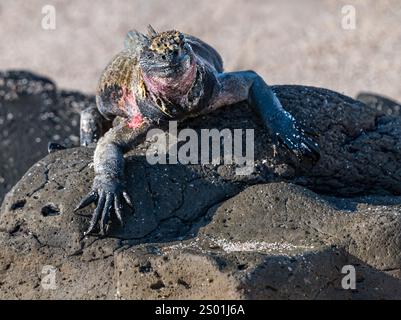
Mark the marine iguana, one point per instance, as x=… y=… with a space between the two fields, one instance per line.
x=168 y=76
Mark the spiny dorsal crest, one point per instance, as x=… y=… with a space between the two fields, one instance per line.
x=165 y=42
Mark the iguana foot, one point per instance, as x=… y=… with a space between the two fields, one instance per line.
x=281 y=124
x=107 y=193
x=299 y=141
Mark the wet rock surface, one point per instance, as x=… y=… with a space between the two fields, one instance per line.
x=205 y=232
x=32 y=113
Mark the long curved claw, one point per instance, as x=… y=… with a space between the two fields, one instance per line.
x=118 y=209
x=308 y=130
x=87 y=200
x=127 y=199
x=106 y=213
x=314 y=151
x=96 y=214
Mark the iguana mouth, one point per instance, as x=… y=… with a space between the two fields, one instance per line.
x=173 y=66
x=171 y=80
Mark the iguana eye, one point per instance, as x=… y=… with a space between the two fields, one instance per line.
x=163 y=57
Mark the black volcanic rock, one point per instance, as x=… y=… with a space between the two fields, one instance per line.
x=32 y=113
x=194 y=236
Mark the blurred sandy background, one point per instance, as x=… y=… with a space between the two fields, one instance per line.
x=287 y=42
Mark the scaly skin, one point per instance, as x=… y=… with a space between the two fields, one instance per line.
x=161 y=77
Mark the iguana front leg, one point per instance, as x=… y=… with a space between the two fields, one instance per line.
x=249 y=86
x=108 y=188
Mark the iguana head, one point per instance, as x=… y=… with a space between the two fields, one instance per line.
x=167 y=63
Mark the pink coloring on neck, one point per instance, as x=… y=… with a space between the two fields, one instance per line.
x=136 y=121
x=130 y=106
x=171 y=87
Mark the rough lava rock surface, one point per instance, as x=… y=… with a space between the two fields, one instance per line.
x=275 y=240
x=204 y=232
